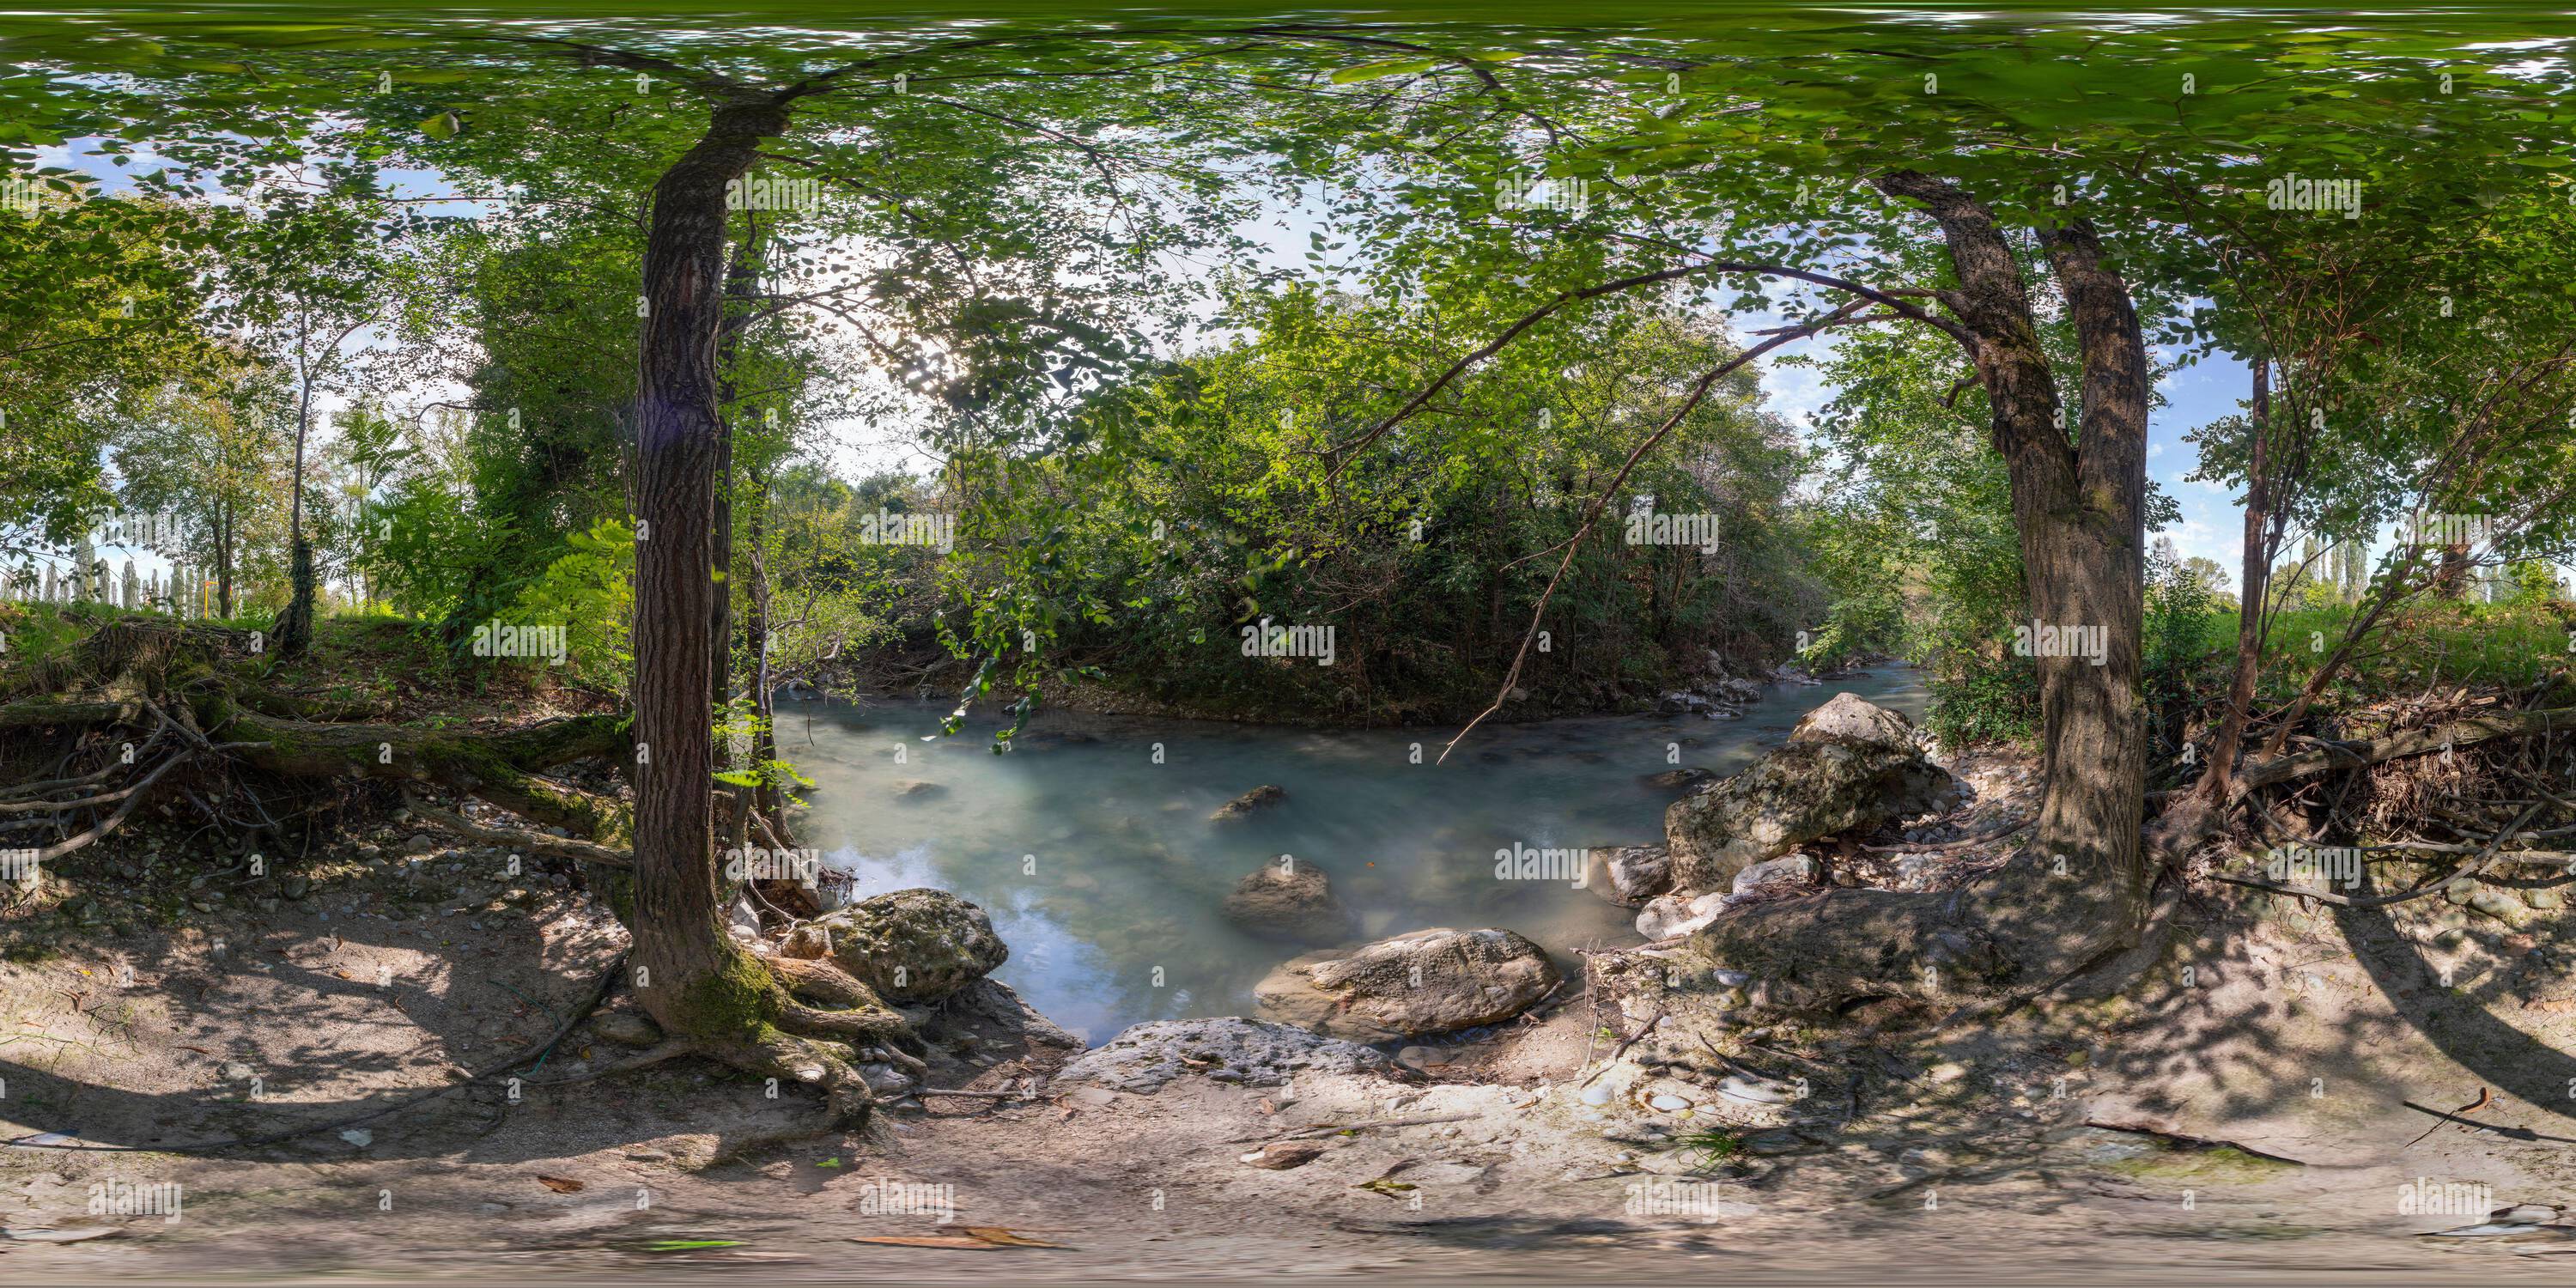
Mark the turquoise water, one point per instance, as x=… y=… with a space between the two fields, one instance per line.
x=1102 y=870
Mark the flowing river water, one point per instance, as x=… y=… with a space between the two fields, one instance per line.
x=1091 y=846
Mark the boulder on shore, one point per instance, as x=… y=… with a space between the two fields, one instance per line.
x=1670 y=915
x=1421 y=982
x=1629 y=875
x=908 y=945
x=1244 y=806
x=1849 y=764
x=1290 y=901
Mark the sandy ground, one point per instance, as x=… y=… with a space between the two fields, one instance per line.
x=1963 y=1159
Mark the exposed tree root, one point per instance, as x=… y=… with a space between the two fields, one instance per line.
x=533 y=842
x=858 y=1016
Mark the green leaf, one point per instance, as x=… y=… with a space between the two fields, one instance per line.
x=1372 y=71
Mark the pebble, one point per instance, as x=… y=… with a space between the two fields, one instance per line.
x=1597 y=1094
x=1669 y=1103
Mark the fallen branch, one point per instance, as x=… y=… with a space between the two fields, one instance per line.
x=2413 y=742
x=1949 y=845
x=2466 y=871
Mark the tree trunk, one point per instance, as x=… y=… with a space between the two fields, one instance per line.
x=295 y=623
x=755 y=643
x=2211 y=791
x=689 y=974
x=224 y=564
x=742 y=279
x=2079 y=891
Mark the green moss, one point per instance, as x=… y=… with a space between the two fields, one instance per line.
x=2222 y=1165
x=735 y=1002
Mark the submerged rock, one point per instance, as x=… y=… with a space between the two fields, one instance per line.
x=911 y=945
x=1288 y=900
x=1425 y=981
x=1256 y=1054
x=1848 y=764
x=1244 y=806
x=1671 y=779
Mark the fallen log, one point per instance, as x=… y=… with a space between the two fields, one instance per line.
x=35 y=713
x=495 y=766
x=2396 y=746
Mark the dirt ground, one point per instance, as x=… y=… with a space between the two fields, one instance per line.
x=2078 y=1139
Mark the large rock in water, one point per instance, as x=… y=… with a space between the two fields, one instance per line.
x=1848 y=764
x=1421 y=982
x=1291 y=901
x=1249 y=803
x=911 y=945
x=1230 y=1049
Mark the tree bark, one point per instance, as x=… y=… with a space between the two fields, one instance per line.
x=2079 y=891
x=295 y=622
x=756 y=645
x=688 y=972
x=742 y=281
x=2212 y=790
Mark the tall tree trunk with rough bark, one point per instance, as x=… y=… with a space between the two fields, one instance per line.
x=2078 y=891
x=688 y=972
x=2193 y=818
x=295 y=621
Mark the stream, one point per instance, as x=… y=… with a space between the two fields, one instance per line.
x=1090 y=843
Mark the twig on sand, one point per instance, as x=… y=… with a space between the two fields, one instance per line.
x=1949 y=845
x=1624 y=1044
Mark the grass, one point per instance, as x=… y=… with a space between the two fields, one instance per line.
x=2419 y=644
x=1714 y=1145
